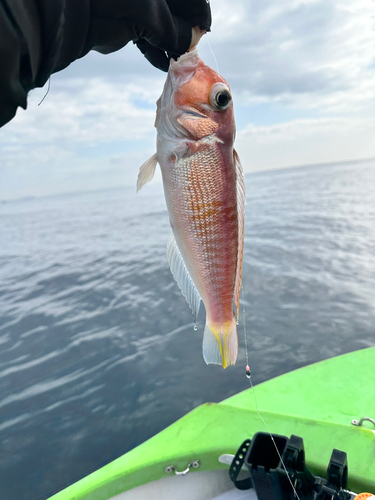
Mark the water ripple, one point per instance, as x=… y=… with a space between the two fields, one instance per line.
x=98 y=346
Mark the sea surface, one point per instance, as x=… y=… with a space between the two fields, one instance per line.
x=98 y=350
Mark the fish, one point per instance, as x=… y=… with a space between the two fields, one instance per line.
x=205 y=194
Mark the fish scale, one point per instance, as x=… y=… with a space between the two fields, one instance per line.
x=219 y=248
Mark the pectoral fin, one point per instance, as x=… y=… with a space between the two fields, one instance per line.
x=146 y=172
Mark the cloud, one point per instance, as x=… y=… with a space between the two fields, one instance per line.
x=89 y=128
x=309 y=49
x=307 y=65
x=84 y=111
x=80 y=114
x=305 y=141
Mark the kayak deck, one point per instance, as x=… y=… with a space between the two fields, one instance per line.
x=317 y=402
x=214 y=485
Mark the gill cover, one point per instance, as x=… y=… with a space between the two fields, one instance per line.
x=167 y=113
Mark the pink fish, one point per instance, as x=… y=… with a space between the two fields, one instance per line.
x=205 y=193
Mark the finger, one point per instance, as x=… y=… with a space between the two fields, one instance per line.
x=196 y=12
x=174 y=37
x=157 y=57
x=197 y=34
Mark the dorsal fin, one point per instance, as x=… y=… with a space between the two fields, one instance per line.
x=182 y=276
x=241 y=200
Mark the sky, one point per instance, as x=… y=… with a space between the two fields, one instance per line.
x=302 y=75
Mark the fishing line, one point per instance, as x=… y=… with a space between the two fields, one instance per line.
x=212 y=52
x=248 y=376
x=45 y=95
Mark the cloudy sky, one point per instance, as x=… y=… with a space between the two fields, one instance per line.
x=302 y=75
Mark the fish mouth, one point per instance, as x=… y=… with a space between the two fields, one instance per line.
x=182 y=70
x=186 y=59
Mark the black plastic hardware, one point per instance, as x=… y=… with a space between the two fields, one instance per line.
x=262 y=461
x=278 y=470
x=337 y=472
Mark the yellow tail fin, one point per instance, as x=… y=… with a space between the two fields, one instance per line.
x=220 y=343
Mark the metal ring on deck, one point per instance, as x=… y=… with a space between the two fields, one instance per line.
x=360 y=422
x=171 y=468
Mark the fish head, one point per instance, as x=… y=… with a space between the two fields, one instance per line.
x=196 y=102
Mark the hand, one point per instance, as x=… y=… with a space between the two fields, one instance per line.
x=41 y=37
x=158 y=27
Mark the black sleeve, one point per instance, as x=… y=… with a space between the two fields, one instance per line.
x=40 y=37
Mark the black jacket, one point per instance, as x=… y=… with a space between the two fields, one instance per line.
x=40 y=37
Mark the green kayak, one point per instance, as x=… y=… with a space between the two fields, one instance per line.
x=323 y=403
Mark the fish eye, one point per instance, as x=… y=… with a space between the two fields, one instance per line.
x=220 y=97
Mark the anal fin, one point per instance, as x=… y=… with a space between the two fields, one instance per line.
x=182 y=276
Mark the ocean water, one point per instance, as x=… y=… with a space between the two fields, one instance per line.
x=98 y=350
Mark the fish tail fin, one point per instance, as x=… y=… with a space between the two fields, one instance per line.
x=220 y=343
